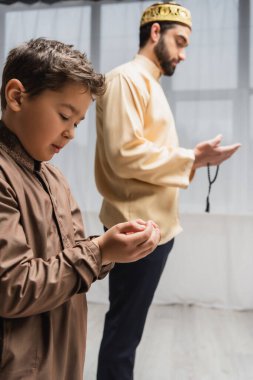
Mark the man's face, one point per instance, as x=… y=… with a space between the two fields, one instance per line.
x=170 y=49
x=46 y=123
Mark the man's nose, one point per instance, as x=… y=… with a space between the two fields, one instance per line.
x=182 y=55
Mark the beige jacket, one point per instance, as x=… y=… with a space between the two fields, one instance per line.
x=139 y=165
x=45 y=267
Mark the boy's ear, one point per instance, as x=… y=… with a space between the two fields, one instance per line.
x=14 y=94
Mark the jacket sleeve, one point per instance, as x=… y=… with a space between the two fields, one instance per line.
x=30 y=285
x=128 y=151
x=79 y=229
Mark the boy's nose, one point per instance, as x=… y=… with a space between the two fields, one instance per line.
x=69 y=133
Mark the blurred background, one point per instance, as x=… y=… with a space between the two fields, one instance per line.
x=210 y=93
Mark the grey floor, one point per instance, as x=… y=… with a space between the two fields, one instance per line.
x=184 y=343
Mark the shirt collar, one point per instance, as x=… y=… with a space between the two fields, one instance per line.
x=149 y=65
x=11 y=145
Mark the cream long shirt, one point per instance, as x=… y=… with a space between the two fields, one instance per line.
x=139 y=166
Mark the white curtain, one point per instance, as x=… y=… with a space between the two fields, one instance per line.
x=210 y=93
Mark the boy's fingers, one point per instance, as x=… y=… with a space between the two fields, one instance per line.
x=149 y=245
x=154 y=224
x=141 y=221
x=132 y=226
x=153 y=240
x=140 y=237
x=145 y=223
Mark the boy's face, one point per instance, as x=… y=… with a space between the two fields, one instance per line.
x=45 y=123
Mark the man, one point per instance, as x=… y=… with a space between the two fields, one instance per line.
x=139 y=169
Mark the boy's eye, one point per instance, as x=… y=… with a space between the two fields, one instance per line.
x=64 y=117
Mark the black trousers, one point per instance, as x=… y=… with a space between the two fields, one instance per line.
x=131 y=290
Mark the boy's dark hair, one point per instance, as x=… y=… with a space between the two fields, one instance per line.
x=146 y=29
x=42 y=64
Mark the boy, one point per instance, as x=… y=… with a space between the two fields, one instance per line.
x=46 y=264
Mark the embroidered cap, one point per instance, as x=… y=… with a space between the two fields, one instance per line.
x=170 y=11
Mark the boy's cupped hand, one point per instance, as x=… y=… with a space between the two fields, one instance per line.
x=129 y=241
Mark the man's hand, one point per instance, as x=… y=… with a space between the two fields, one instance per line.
x=128 y=242
x=210 y=152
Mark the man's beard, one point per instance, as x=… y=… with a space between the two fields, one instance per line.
x=163 y=57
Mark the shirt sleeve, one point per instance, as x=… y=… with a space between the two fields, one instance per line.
x=79 y=230
x=30 y=285
x=128 y=150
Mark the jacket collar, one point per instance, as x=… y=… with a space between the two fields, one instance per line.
x=11 y=145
